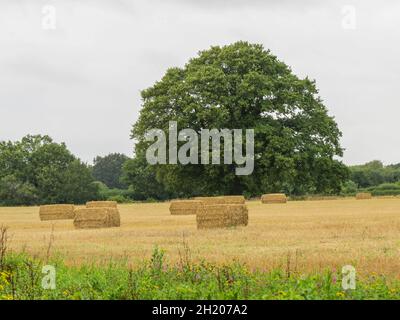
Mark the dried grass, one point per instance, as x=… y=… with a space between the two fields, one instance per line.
x=211 y=200
x=92 y=218
x=273 y=198
x=56 y=212
x=234 y=199
x=222 y=216
x=363 y=196
x=185 y=207
x=327 y=234
x=318 y=198
x=101 y=204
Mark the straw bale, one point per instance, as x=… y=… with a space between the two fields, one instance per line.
x=91 y=218
x=184 y=207
x=56 y=212
x=273 y=198
x=101 y=204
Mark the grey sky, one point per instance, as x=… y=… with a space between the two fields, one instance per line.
x=80 y=83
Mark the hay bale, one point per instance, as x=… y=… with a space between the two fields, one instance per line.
x=185 y=207
x=56 y=212
x=363 y=195
x=234 y=199
x=273 y=198
x=385 y=197
x=317 y=198
x=101 y=204
x=222 y=216
x=92 y=218
x=211 y=200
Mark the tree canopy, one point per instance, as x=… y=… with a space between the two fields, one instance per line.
x=37 y=170
x=108 y=169
x=243 y=86
x=374 y=173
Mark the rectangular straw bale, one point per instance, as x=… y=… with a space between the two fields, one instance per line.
x=316 y=198
x=211 y=200
x=234 y=199
x=92 y=218
x=363 y=195
x=101 y=204
x=185 y=207
x=56 y=212
x=222 y=216
x=273 y=198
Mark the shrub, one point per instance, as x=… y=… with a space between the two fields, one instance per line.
x=119 y=198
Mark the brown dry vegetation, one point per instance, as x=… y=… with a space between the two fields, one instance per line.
x=306 y=235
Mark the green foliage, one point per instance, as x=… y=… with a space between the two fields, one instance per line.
x=78 y=185
x=119 y=195
x=349 y=188
x=242 y=86
x=119 y=199
x=14 y=192
x=108 y=169
x=385 y=189
x=20 y=278
x=142 y=180
x=373 y=177
x=374 y=173
x=37 y=170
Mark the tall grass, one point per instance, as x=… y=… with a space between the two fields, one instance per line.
x=21 y=277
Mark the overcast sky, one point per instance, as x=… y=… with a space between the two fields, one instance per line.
x=80 y=82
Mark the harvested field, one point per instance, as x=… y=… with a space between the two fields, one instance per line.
x=312 y=235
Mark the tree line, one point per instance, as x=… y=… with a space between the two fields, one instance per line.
x=36 y=170
x=238 y=86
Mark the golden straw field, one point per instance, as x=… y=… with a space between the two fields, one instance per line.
x=300 y=235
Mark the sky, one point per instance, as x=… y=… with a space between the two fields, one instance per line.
x=74 y=69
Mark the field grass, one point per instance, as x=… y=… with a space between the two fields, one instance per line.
x=21 y=277
x=299 y=236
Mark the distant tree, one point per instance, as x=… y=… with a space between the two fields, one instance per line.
x=78 y=185
x=108 y=169
x=374 y=165
x=349 y=187
x=14 y=192
x=243 y=86
x=37 y=170
x=394 y=166
x=142 y=181
x=374 y=173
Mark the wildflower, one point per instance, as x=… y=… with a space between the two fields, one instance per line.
x=340 y=294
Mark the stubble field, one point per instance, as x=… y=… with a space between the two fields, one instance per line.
x=301 y=236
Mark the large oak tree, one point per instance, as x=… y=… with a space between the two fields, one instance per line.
x=244 y=86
